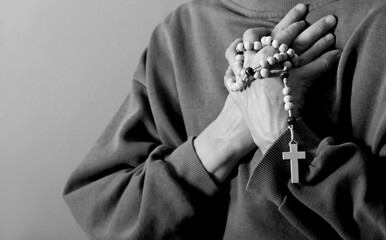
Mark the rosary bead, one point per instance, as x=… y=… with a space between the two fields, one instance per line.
x=283 y=48
x=286 y=91
x=287 y=98
x=238 y=85
x=290 y=52
x=257 y=75
x=287 y=64
x=248 y=46
x=283 y=56
x=239 y=57
x=284 y=74
x=288 y=106
x=277 y=57
x=240 y=47
x=257 y=45
x=264 y=72
x=271 y=60
x=268 y=41
x=291 y=120
x=249 y=71
x=275 y=43
x=262 y=40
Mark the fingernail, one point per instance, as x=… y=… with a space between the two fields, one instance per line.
x=330 y=37
x=300 y=6
x=330 y=20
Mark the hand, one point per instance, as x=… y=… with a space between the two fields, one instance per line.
x=262 y=103
x=226 y=140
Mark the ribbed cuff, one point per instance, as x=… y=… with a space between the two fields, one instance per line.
x=188 y=165
x=272 y=174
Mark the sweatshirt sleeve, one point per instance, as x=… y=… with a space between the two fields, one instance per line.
x=342 y=186
x=143 y=179
x=341 y=190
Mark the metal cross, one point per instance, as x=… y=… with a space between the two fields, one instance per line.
x=293 y=155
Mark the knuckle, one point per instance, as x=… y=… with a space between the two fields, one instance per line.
x=325 y=64
x=302 y=61
x=248 y=34
x=317 y=29
x=329 y=38
x=297 y=46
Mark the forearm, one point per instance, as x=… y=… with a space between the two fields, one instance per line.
x=112 y=200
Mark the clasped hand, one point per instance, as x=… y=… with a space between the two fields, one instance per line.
x=256 y=116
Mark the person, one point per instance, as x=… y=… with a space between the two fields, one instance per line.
x=184 y=158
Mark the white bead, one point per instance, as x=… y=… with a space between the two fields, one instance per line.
x=257 y=75
x=287 y=64
x=286 y=91
x=239 y=57
x=238 y=85
x=264 y=72
x=283 y=48
x=240 y=47
x=238 y=64
x=290 y=52
x=289 y=106
x=262 y=40
x=277 y=57
x=264 y=63
x=283 y=56
x=271 y=60
x=275 y=43
x=257 y=45
x=287 y=98
x=248 y=46
x=268 y=41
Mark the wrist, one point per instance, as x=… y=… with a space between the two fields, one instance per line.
x=222 y=144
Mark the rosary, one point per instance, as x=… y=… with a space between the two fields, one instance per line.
x=243 y=76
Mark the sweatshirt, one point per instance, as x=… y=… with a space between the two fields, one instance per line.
x=144 y=180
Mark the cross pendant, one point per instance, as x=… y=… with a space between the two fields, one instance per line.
x=293 y=155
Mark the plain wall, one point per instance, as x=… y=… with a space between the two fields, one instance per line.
x=65 y=68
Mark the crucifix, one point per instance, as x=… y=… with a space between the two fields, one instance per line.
x=294 y=155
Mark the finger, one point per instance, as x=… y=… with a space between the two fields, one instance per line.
x=251 y=35
x=254 y=34
x=313 y=33
x=289 y=34
x=231 y=52
x=319 y=66
x=322 y=45
x=294 y=15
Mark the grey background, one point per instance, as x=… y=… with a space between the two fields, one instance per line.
x=65 y=68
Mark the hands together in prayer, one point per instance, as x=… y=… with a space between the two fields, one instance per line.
x=256 y=116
